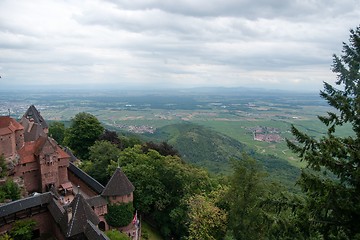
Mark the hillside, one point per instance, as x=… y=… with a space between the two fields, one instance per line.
x=210 y=149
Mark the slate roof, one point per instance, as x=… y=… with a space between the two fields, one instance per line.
x=91 y=182
x=33 y=114
x=56 y=210
x=25 y=203
x=96 y=201
x=81 y=214
x=69 y=152
x=93 y=233
x=118 y=185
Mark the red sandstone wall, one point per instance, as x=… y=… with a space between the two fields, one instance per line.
x=123 y=199
x=32 y=181
x=63 y=174
x=19 y=139
x=7 y=145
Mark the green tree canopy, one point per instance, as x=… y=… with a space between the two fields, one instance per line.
x=101 y=154
x=120 y=214
x=162 y=186
x=205 y=220
x=10 y=190
x=84 y=130
x=22 y=229
x=259 y=208
x=331 y=180
x=57 y=131
x=3 y=166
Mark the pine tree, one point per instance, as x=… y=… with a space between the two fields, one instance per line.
x=331 y=180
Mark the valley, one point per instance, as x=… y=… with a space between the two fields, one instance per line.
x=254 y=119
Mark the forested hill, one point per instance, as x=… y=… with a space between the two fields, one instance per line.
x=213 y=150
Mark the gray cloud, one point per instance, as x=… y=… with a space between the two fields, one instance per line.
x=277 y=44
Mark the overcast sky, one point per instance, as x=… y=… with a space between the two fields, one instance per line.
x=278 y=44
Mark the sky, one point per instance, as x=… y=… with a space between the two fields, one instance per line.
x=271 y=44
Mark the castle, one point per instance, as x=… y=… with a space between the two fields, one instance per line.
x=64 y=201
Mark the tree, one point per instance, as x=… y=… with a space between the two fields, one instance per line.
x=119 y=214
x=162 y=186
x=3 y=166
x=22 y=229
x=331 y=180
x=6 y=237
x=163 y=148
x=85 y=129
x=10 y=190
x=101 y=154
x=57 y=131
x=246 y=192
x=206 y=220
x=112 y=137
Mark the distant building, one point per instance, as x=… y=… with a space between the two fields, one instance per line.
x=68 y=203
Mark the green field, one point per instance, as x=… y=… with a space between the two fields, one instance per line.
x=232 y=112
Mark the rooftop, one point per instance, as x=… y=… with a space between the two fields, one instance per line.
x=118 y=185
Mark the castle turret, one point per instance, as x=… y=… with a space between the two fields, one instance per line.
x=119 y=188
x=34 y=124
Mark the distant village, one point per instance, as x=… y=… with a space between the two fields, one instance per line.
x=65 y=202
x=266 y=134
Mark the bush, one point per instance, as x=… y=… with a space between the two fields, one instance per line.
x=119 y=215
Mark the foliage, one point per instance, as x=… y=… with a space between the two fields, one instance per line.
x=84 y=130
x=162 y=184
x=259 y=208
x=163 y=148
x=129 y=141
x=112 y=137
x=246 y=191
x=206 y=220
x=3 y=166
x=116 y=235
x=119 y=214
x=9 y=190
x=331 y=180
x=6 y=237
x=101 y=153
x=22 y=229
x=57 y=131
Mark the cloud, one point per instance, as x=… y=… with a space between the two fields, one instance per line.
x=276 y=44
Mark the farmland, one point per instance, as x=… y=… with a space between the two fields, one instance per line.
x=236 y=113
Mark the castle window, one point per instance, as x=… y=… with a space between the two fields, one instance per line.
x=24 y=164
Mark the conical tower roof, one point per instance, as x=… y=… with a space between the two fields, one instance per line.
x=33 y=114
x=118 y=185
x=81 y=213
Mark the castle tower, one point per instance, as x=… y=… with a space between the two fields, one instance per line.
x=11 y=136
x=119 y=189
x=34 y=124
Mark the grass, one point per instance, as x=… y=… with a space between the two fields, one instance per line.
x=150 y=231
